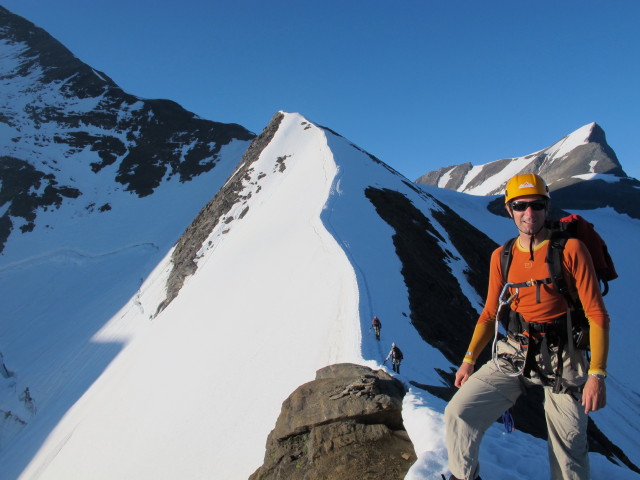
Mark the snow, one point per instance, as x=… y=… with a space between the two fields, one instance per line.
x=289 y=288
x=444 y=179
x=494 y=183
x=598 y=176
x=98 y=75
x=570 y=142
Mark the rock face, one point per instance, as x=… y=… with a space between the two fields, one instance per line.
x=345 y=424
x=434 y=293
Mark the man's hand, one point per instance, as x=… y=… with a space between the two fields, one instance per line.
x=464 y=372
x=594 y=394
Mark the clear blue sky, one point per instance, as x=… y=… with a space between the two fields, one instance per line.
x=421 y=84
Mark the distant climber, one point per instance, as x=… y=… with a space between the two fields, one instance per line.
x=396 y=357
x=376 y=324
x=29 y=403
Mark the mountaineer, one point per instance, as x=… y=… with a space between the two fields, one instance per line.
x=396 y=357
x=376 y=324
x=538 y=348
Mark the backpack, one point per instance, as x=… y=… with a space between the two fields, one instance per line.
x=574 y=226
x=397 y=353
x=576 y=324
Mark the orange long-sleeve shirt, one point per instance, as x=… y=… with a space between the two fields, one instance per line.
x=582 y=279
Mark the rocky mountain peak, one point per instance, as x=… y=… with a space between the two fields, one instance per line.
x=71 y=135
x=42 y=53
x=581 y=169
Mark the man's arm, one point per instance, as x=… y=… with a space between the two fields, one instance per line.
x=579 y=263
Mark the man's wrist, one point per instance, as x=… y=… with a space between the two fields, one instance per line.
x=598 y=375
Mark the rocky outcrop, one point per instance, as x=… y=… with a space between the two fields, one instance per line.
x=347 y=423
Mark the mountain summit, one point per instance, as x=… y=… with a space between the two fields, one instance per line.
x=72 y=138
x=580 y=155
x=581 y=169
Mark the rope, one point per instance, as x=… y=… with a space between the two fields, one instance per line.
x=494 y=345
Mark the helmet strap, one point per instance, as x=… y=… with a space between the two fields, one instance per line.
x=533 y=239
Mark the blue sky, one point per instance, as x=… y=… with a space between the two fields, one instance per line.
x=419 y=84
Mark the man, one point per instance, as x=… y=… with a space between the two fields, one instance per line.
x=376 y=324
x=572 y=388
x=396 y=357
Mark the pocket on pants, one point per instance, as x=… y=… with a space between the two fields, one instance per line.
x=574 y=367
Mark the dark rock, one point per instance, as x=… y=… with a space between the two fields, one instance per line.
x=19 y=180
x=347 y=423
x=456 y=174
x=440 y=312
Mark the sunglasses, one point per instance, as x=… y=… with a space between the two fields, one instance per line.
x=536 y=205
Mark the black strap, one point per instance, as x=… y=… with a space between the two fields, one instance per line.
x=506 y=257
x=539 y=343
x=555 y=260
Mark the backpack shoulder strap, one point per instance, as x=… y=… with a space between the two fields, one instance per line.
x=555 y=257
x=506 y=257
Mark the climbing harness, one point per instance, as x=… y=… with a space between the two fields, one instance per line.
x=520 y=355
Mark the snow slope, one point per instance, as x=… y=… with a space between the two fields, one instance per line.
x=287 y=289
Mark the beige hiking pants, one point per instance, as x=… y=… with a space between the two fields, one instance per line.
x=487 y=394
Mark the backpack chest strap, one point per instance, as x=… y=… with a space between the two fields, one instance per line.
x=533 y=283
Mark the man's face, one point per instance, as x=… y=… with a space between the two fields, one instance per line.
x=527 y=214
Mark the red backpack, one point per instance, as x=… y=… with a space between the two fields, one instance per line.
x=574 y=226
x=571 y=226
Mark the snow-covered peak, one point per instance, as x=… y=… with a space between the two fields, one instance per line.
x=584 y=151
x=571 y=141
x=581 y=169
x=77 y=153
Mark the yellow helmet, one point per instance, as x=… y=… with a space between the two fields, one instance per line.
x=525 y=184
